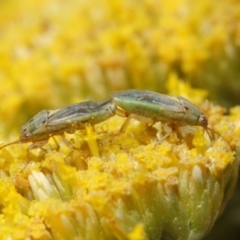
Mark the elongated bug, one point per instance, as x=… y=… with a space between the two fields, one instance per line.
x=48 y=123
x=151 y=107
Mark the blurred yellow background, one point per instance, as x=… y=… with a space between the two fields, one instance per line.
x=57 y=52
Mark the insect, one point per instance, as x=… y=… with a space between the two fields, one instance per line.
x=48 y=123
x=151 y=107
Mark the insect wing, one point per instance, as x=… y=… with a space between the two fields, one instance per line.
x=84 y=112
x=193 y=115
x=149 y=104
x=76 y=112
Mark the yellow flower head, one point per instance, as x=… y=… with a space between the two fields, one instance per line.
x=148 y=182
x=151 y=182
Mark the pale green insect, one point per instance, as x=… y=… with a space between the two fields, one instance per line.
x=48 y=123
x=151 y=107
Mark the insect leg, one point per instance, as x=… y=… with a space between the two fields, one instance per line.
x=168 y=131
x=68 y=143
x=36 y=145
x=125 y=124
x=120 y=112
x=56 y=142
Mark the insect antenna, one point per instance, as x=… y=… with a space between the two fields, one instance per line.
x=14 y=142
x=217 y=133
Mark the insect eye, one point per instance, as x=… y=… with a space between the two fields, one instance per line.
x=203 y=121
x=25 y=136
